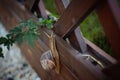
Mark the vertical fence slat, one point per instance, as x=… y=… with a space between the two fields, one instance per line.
x=109 y=15
x=29 y=4
x=42 y=9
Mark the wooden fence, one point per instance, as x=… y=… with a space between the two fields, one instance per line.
x=73 y=62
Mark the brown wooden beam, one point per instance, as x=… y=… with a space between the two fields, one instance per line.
x=29 y=4
x=109 y=15
x=73 y=15
x=42 y=9
x=18 y=10
x=100 y=54
x=61 y=5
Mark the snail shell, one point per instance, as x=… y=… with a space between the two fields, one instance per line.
x=47 y=61
x=47 y=64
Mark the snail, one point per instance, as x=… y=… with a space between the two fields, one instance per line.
x=50 y=59
x=47 y=61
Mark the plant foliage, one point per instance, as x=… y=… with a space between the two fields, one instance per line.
x=25 y=31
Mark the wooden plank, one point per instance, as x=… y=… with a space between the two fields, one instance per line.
x=73 y=15
x=29 y=4
x=75 y=37
x=18 y=10
x=100 y=54
x=31 y=57
x=61 y=5
x=77 y=65
x=42 y=9
x=109 y=15
x=7 y=16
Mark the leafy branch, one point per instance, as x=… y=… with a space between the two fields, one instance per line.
x=25 y=31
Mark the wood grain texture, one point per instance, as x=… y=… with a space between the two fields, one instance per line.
x=60 y=6
x=29 y=4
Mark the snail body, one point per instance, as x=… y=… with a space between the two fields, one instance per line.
x=50 y=59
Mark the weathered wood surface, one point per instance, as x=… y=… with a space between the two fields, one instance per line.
x=73 y=67
x=61 y=5
x=29 y=4
x=109 y=15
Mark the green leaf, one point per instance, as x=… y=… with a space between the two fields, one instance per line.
x=45 y=22
x=49 y=26
x=8 y=43
x=19 y=39
x=1 y=54
x=25 y=31
x=30 y=38
x=16 y=30
x=2 y=40
x=41 y=21
x=31 y=24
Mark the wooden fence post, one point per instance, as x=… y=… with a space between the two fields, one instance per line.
x=109 y=15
